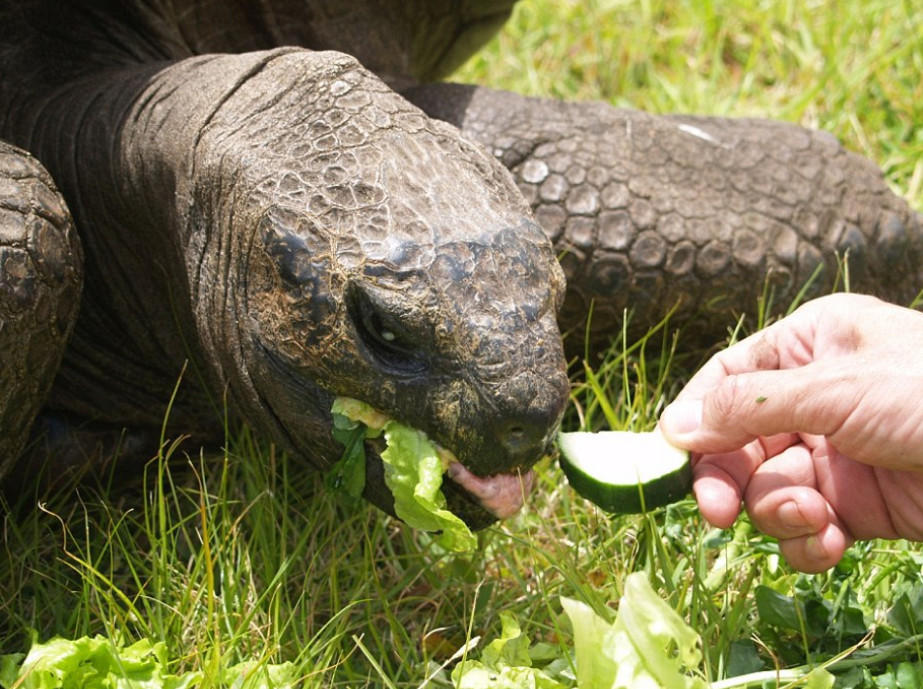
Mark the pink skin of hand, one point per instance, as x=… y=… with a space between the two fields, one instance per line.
x=815 y=425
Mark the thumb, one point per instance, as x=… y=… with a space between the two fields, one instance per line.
x=742 y=407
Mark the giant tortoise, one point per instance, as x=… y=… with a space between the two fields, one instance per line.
x=276 y=203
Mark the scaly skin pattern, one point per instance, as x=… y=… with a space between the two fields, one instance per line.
x=649 y=213
x=40 y=274
x=266 y=214
x=295 y=230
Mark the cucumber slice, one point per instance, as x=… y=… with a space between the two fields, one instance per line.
x=625 y=472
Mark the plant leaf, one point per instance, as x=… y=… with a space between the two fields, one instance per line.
x=413 y=474
x=101 y=663
x=595 y=645
x=776 y=609
x=413 y=471
x=819 y=678
x=475 y=675
x=512 y=648
x=648 y=646
x=505 y=664
x=348 y=473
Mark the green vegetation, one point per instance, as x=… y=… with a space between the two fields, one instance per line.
x=413 y=471
x=249 y=558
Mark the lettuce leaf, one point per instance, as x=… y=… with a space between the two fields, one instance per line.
x=413 y=471
x=649 y=646
x=505 y=664
x=348 y=473
x=413 y=474
x=101 y=663
x=512 y=648
x=476 y=675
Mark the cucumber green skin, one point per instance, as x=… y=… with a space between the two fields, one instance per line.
x=626 y=499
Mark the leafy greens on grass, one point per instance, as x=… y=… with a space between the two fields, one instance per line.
x=98 y=663
x=413 y=471
x=649 y=646
x=506 y=663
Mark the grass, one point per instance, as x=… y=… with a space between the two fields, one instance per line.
x=849 y=67
x=248 y=557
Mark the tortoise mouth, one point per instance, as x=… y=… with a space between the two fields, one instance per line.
x=503 y=494
x=478 y=500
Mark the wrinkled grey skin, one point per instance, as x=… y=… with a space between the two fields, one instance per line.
x=257 y=194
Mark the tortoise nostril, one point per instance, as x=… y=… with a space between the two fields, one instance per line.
x=526 y=413
x=518 y=439
x=515 y=436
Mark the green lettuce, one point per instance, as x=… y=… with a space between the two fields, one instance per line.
x=505 y=663
x=649 y=646
x=348 y=473
x=100 y=663
x=413 y=471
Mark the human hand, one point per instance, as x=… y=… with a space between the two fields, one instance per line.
x=816 y=424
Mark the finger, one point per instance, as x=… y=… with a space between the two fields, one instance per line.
x=864 y=498
x=791 y=512
x=783 y=502
x=782 y=497
x=784 y=344
x=717 y=493
x=828 y=322
x=816 y=398
x=817 y=552
x=904 y=505
x=719 y=480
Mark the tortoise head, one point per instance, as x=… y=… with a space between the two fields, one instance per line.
x=466 y=347
x=410 y=276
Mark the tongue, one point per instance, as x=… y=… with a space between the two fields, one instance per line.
x=502 y=495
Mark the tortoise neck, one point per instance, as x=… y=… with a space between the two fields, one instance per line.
x=402 y=41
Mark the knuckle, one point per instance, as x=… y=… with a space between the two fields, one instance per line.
x=724 y=403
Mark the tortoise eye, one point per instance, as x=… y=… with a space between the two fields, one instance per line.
x=376 y=330
x=383 y=337
x=387 y=335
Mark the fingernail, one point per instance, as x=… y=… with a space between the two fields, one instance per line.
x=790 y=515
x=814 y=549
x=682 y=417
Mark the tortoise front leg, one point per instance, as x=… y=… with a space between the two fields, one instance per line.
x=41 y=270
x=648 y=211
